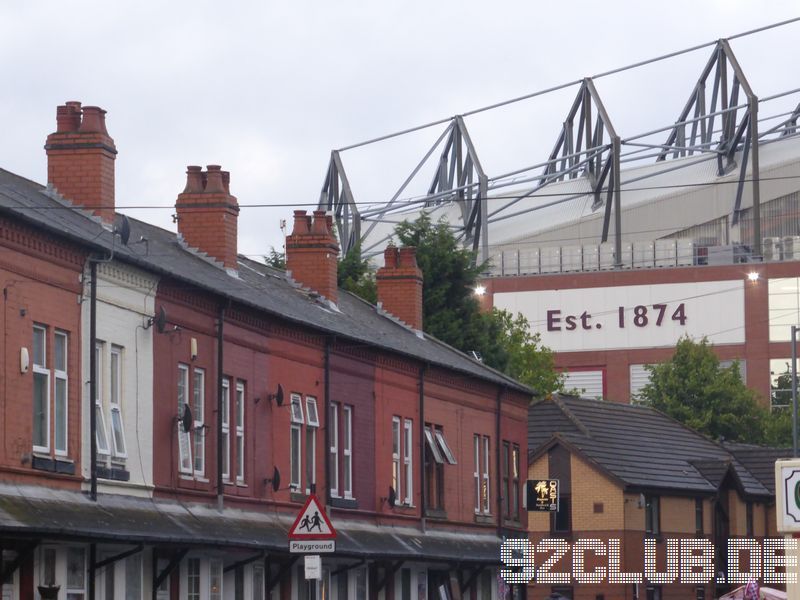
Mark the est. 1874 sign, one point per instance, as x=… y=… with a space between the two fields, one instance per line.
x=542 y=494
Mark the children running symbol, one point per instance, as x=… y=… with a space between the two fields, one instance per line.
x=310 y=524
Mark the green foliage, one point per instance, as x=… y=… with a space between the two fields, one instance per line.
x=276 y=259
x=355 y=276
x=452 y=313
x=528 y=362
x=693 y=388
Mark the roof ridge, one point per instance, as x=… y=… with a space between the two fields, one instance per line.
x=570 y=415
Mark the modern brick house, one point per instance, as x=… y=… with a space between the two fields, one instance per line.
x=197 y=378
x=632 y=474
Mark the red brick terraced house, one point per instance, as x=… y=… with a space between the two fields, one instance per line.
x=169 y=406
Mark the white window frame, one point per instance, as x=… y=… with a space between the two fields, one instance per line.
x=199 y=441
x=185 y=463
x=134 y=569
x=312 y=423
x=296 y=409
x=257 y=587
x=215 y=569
x=61 y=375
x=333 y=424
x=41 y=369
x=312 y=415
x=476 y=473
x=226 y=429
x=311 y=458
x=101 y=431
x=397 y=477
x=408 y=461
x=347 y=450
x=446 y=452
x=115 y=402
x=486 y=480
x=240 y=398
x=191 y=573
x=296 y=470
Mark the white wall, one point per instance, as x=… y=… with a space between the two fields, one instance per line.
x=125 y=303
x=711 y=308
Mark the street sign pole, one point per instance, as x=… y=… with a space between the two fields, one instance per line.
x=794 y=391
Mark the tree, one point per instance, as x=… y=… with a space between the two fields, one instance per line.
x=276 y=259
x=356 y=276
x=452 y=313
x=693 y=388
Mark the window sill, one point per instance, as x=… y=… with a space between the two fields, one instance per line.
x=404 y=508
x=115 y=473
x=344 y=502
x=297 y=497
x=436 y=513
x=53 y=465
x=484 y=519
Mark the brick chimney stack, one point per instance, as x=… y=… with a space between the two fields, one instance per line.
x=400 y=285
x=80 y=159
x=208 y=215
x=312 y=252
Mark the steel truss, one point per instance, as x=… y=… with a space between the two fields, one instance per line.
x=715 y=123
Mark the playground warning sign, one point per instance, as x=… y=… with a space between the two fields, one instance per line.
x=312 y=523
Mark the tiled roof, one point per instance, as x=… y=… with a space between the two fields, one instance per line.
x=639 y=446
x=759 y=460
x=257 y=286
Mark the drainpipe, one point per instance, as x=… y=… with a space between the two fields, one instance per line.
x=220 y=347
x=327 y=403
x=498 y=465
x=422 y=504
x=93 y=382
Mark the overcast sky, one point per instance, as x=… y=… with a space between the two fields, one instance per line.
x=267 y=89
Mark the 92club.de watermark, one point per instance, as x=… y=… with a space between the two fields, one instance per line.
x=690 y=560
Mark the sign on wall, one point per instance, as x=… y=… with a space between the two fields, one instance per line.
x=542 y=494
x=634 y=316
x=787 y=494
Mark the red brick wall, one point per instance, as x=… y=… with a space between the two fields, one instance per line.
x=40 y=281
x=756 y=351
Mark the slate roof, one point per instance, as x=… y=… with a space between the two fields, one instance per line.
x=759 y=460
x=638 y=446
x=257 y=286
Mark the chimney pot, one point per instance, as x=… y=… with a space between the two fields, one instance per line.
x=301 y=223
x=68 y=117
x=94 y=120
x=194 y=180
x=408 y=256
x=320 y=226
x=390 y=256
x=226 y=181
x=214 y=179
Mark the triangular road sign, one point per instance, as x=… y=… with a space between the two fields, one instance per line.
x=312 y=523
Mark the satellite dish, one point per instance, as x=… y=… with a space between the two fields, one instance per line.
x=279 y=395
x=276 y=479
x=392 y=497
x=186 y=419
x=123 y=230
x=161 y=319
